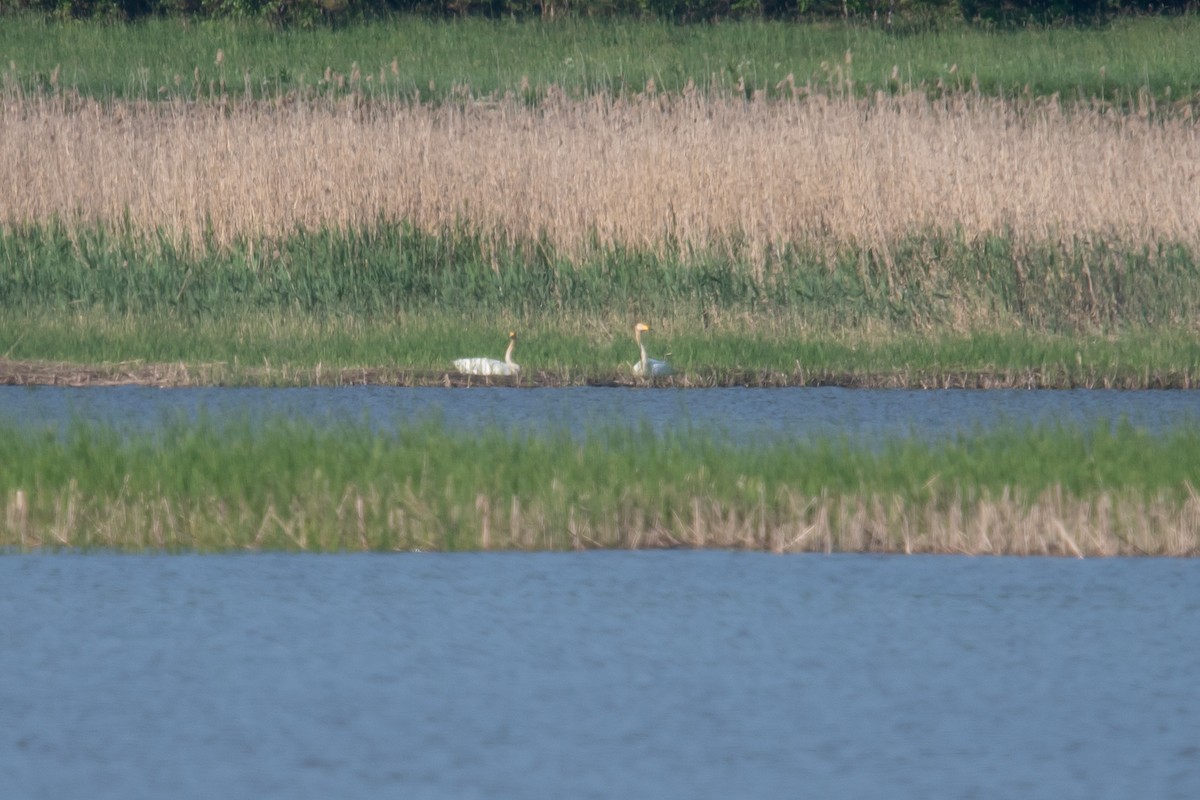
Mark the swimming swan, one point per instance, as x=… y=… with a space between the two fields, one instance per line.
x=490 y=366
x=650 y=367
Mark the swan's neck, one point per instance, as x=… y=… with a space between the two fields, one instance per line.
x=638 y=335
x=508 y=353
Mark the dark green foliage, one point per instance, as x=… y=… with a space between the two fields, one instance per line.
x=308 y=13
x=1022 y=12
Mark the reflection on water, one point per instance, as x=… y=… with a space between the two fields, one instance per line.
x=738 y=413
x=656 y=674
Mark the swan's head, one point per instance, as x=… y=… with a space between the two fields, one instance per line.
x=641 y=327
x=512 y=336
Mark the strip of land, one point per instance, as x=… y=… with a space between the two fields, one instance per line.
x=178 y=375
x=199 y=485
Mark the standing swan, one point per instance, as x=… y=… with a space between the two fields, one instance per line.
x=490 y=366
x=648 y=367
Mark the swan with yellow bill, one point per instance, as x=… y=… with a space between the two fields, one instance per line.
x=648 y=367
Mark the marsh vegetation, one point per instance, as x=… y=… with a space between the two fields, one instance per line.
x=810 y=221
x=785 y=204
x=200 y=485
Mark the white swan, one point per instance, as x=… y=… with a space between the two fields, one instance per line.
x=490 y=366
x=651 y=367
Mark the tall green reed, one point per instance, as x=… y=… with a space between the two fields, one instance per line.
x=935 y=280
x=300 y=485
x=249 y=459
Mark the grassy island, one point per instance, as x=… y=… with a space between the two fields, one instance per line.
x=201 y=486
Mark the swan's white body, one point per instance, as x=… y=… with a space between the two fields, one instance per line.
x=648 y=367
x=491 y=366
x=654 y=368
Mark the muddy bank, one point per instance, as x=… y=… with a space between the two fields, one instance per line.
x=180 y=374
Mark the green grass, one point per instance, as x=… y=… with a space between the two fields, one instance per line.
x=396 y=299
x=204 y=485
x=933 y=281
x=279 y=458
x=260 y=349
x=170 y=58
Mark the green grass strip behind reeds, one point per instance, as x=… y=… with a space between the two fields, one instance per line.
x=286 y=484
x=934 y=280
x=159 y=59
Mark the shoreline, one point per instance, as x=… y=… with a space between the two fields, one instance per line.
x=167 y=375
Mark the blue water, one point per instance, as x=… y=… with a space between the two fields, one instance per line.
x=751 y=414
x=607 y=675
x=598 y=675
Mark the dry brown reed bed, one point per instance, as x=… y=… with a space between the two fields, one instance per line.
x=636 y=171
x=127 y=373
x=1051 y=524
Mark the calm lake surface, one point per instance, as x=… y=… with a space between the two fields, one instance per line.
x=749 y=414
x=598 y=675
